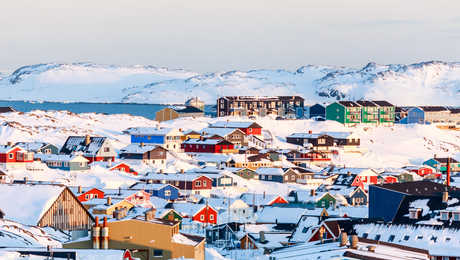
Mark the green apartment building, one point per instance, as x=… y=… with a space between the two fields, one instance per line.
x=361 y=112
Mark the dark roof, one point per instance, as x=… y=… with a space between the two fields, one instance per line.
x=455 y=110
x=433 y=108
x=6 y=109
x=334 y=227
x=197 y=239
x=263 y=98
x=345 y=179
x=445 y=159
x=382 y=103
x=348 y=104
x=425 y=188
x=189 y=109
x=366 y=103
x=77 y=144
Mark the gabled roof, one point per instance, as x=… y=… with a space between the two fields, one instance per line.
x=152 y=131
x=207 y=141
x=31 y=146
x=425 y=188
x=77 y=144
x=235 y=124
x=135 y=148
x=433 y=108
x=27 y=204
x=270 y=171
x=445 y=159
x=149 y=186
x=174 y=176
x=222 y=132
x=348 y=104
x=259 y=199
x=61 y=158
x=189 y=109
x=6 y=148
x=6 y=109
x=366 y=103
x=382 y=103
x=190 y=209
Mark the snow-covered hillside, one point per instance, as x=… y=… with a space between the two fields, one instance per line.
x=383 y=146
x=429 y=83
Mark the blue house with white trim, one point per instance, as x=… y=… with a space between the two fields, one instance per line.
x=164 y=191
x=168 y=138
x=415 y=115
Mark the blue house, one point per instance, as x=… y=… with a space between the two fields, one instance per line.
x=164 y=191
x=415 y=115
x=318 y=110
x=168 y=138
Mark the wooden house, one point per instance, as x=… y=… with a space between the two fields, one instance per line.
x=164 y=191
x=86 y=194
x=14 y=157
x=44 y=205
x=282 y=175
x=440 y=164
x=168 y=138
x=420 y=170
x=282 y=106
x=325 y=141
x=123 y=167
x=92 y=148
x=201 y=213
x=222 y=235
x=317 y=111
x=191 y=134
x=345 y=112
x=358 y=197
x=186 y=183
x=232 y=135
x=169 y=113
x=154 y=155
x=38 y=147
x=262 y=200
x=246 y=173
x=248 y=128
x=64 y=162
x=208 y=146
x=328 y=229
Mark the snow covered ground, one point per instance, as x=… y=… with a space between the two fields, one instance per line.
x=383 y=147
x=427 y=83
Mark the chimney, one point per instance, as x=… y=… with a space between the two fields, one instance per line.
x=119 y=191
x=161 y=170
x=264 y=194
x=262 y=237
x=312 y=192
x=343 y=239
x=348 y=173
x=150 y=214
x=9 y=144
x=448 y=172
x=80 y=189
x=445 y=196
x=354 y=242
x=105 y=235
x=109 y=200
x=182 y=170
x=87 y=140
x=141 y=144
x=96 y=230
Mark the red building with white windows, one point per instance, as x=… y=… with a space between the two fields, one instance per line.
x=93 y=148
x=207 y=146
x=421 y=170
x=197 y=212
x=123 y=167
x=15 y=157
x=88 y=195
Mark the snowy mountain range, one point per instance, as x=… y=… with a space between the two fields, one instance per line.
x=429 y=83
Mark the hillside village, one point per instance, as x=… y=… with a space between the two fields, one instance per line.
x=267 y=178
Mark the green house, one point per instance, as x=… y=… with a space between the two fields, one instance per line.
x=345 y=112
x=369 y=112
x=325 y=201
x=386 y=112
x=171 y=215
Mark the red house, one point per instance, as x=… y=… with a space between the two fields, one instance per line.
x=123 y=167
x=186 y=183
x=390 y=179
x=90 y=194
x=11 y=157
x=197 y=212
x=249 y=128
x=326 y=230
x=420 y=170
x=93 y=148
x=207 y=146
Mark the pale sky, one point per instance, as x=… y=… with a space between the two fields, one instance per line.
x=215 y=35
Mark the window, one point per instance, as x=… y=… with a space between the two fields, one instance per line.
x=377 y=237
x=198 y=183
x=211 y=217
x=10 y=155
x=157 y=253
x=202 y=217
x=269 y=177
x=321 y=141
x=419 y=237
x=365 y=235
x=304 y=230
x=205 y=183
x=167 y=193
x=391 y=238
x=106 y=149
x=406 y=238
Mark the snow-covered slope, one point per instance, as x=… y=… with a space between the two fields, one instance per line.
x=429 y=83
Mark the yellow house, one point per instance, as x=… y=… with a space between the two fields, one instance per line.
x=149 y=238
x=191 y=135
x=110 y=206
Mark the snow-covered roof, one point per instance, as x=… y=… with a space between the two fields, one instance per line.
x=18 y=235
x=173 y=176
x=234 y=124
x=31 y=146
x=61 y=158
x=188 y=209
x=223 y=132
x=258 y=199
x=212 y=157
x=269 y=171
x=149 y=186
x=205 y=141
x=336 y=135
x=150 y=131
x=27 y=204
x=77 y=144
x=138 y=148
x=280 y=215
